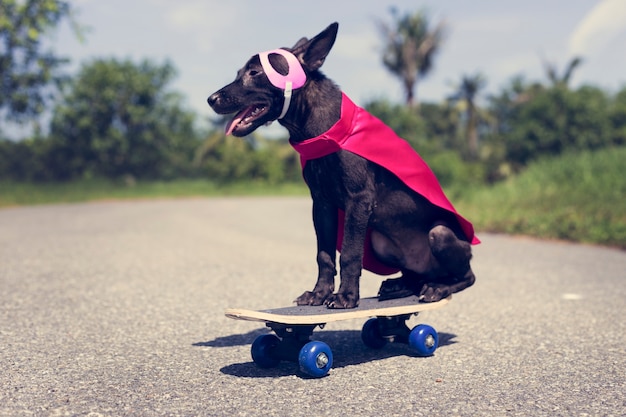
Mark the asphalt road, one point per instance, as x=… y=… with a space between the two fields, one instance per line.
x=116 y=308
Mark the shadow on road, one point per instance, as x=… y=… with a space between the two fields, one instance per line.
x=233 y=340
x=347 y=347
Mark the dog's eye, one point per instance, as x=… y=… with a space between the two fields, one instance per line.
x=253 y=73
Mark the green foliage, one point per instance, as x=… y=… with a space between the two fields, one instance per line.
x=227 y=159
x=26 y=71
x=556 y=120
x=532 y=121
x=28 y=193
x=24 y=160
x=576 y=196
x=617 y=118
x=455 y=173
x=466 y=95
x=119 y=119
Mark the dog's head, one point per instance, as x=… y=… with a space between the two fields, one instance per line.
x=257 y=95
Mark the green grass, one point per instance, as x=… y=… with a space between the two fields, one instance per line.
x=17 y=194
x=579 y=197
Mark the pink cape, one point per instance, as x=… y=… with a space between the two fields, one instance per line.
x=359 y=132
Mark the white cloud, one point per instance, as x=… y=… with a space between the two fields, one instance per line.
x=486 y=24
x=199 y=21
x=357 y=45
x=188 y=15
x=194 y=15
x=605 y=21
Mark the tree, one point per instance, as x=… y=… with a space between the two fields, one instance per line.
x=26 y=71
x=410 y=47
x=617 y=116
x=467 y=92
x=555 y=120
x=119 y=119
x=225 y=159
x=562 y=80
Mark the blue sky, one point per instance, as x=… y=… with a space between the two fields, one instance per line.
x=208 y=40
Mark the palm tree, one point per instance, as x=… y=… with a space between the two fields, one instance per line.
x=553 y=75
x=410 y=46
x=467 y=92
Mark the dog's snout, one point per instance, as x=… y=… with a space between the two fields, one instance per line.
x=213 y=99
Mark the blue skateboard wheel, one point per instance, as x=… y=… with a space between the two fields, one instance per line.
x=423 y=339
x=261 y=351
x=315 y=359
x=370 y=335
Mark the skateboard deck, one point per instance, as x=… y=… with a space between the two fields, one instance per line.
x=293 y=327
x=368 y=307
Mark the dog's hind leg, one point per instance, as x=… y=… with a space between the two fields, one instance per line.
x=448 y=271
x=452 y=253
x=435 y=291
x=453 y=256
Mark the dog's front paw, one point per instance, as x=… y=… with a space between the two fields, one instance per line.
x=340 y=300
x=432 y=292
x=310 y=298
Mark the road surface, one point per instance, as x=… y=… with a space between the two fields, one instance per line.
x=116 y=308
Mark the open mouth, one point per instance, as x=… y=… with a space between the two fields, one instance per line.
x=244 y=121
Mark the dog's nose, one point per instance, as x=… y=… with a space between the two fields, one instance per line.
x=213 y=99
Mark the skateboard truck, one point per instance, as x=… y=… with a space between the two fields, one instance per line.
x=292 y=339
x=394 y=329
x=293 y=343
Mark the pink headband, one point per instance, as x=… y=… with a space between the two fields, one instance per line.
x=294 y=79
x=296 y=74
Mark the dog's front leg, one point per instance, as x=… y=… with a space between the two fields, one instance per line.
x=357 y=216
x=325 y=223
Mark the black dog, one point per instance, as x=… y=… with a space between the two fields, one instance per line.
x=363 y=207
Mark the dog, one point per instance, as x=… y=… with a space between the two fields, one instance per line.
x=374 y=199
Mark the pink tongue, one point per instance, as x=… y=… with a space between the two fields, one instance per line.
x=233 y=123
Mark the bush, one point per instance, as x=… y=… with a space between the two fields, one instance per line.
x=576 y=196
x=119 y=119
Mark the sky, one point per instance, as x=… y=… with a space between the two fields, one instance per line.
x=208 y=40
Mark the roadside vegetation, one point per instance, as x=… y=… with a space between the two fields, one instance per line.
x=578 y=197
x=19 y=194
x=537 y=157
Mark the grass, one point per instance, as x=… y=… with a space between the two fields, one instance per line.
x=18 y=194
x=579 y=197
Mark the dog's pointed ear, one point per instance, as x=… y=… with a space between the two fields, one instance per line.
x=312 y=53
x=300 y=43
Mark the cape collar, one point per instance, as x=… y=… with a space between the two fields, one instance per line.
x=331 y=140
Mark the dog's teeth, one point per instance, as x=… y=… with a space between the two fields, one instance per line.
x=243 y=117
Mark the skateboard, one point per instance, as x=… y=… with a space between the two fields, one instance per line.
x=293 y=328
